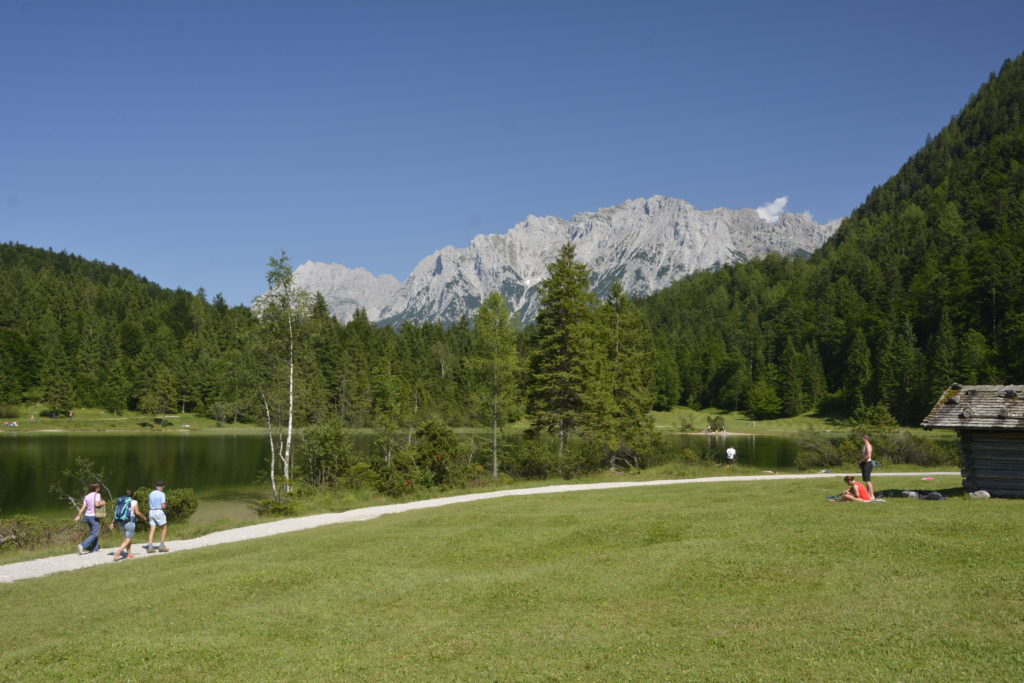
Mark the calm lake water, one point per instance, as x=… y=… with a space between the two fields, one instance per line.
x=226 y=470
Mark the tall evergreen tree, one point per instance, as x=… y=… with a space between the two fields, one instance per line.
x=564 y=364
x=629 y=366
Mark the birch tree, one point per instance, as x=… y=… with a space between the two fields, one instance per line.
x=281 y=312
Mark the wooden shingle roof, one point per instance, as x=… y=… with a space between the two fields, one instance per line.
x=979 y=406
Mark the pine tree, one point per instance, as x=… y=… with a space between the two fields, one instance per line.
x=565 y=363
x=858 y=370
x=629 y=362
x=792 y=381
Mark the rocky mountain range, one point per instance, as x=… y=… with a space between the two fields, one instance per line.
x=646 y=243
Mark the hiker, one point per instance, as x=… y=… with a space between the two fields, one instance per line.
x=92 y=503
x=157 y=518
x=125 y=513
x=857 y=493
x=867 y=463
x=730 y=456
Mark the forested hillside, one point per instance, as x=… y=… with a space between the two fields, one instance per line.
x=75 y=333
x=920 y=287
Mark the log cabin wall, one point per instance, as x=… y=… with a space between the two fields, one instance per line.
x=993 y=461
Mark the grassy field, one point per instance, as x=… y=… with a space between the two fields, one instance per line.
x=34 y=418
x=733 y=581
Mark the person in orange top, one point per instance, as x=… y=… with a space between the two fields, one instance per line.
x=857 y=493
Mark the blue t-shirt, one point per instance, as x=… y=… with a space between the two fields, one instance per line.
x=157 y=500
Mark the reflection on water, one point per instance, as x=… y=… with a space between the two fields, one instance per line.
x=765 y=452
x=226 y=471
x=215 y=466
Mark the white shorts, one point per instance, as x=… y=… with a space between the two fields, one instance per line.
x=157 y=518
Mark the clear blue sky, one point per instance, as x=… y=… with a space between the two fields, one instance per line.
x=190 y=141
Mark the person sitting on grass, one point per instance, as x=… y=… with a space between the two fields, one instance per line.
x=857 y=493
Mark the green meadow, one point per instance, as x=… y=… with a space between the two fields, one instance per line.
x=708 y=581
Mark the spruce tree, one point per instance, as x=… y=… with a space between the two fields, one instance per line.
x=565 y=363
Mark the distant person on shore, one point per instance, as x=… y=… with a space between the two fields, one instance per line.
x=867 y=463
x=90 y=504
x=730 y=456
x=126 y=511
x=857 y=493
x=157 y=518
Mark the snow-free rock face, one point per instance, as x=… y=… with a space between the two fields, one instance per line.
x=345 y=290
x=646 y=243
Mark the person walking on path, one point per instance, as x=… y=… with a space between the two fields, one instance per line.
x=157 y=518
x=90 y=504
x=126 y=511
x=867 y=463
x=730 y=456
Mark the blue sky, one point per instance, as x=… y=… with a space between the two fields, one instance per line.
x=190 y=141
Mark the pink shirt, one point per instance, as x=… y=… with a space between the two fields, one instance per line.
x=90 y=502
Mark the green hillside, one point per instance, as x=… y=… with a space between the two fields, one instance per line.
x=920 y=287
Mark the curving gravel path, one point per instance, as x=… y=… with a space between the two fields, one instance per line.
x=64 y=563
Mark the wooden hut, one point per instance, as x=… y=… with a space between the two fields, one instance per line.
x=989 y=420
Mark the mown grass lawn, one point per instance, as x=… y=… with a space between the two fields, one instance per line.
x=728 y=581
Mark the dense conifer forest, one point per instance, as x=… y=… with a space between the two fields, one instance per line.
x=920 y=287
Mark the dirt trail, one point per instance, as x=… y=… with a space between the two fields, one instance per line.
x=64 y=563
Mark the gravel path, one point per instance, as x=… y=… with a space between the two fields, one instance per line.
x=64 y=563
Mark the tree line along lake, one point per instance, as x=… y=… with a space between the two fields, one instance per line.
x=227 y=471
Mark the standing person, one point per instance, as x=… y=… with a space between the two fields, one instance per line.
x=867 y=463
x=126 y=511
x=730 y=456
x=92 y=501
x=157 y=518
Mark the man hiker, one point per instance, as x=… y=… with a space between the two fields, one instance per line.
x=730 y=456
x=157 y=518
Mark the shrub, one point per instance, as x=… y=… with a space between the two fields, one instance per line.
x=22 y=531
x=361 y=475
x=876 y=416
x=439 y=452
x=275 y=507
x=911 y=449
x=534 y=459
x=816 y=451
x=402 y=475
x=9 y=412
x=181 y=503
x=582 y=456
x=323 y=453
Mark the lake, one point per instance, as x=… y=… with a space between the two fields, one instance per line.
x=226 y=471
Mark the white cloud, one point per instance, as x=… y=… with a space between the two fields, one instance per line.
x=772 y=210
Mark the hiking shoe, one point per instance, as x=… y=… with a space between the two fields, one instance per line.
x=162 y=549
x=118 y=558
x=81 y=550
x=150 y=550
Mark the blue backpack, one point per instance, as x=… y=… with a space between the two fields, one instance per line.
x=123 y=511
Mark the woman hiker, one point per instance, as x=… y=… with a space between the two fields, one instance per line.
x=90 y=504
